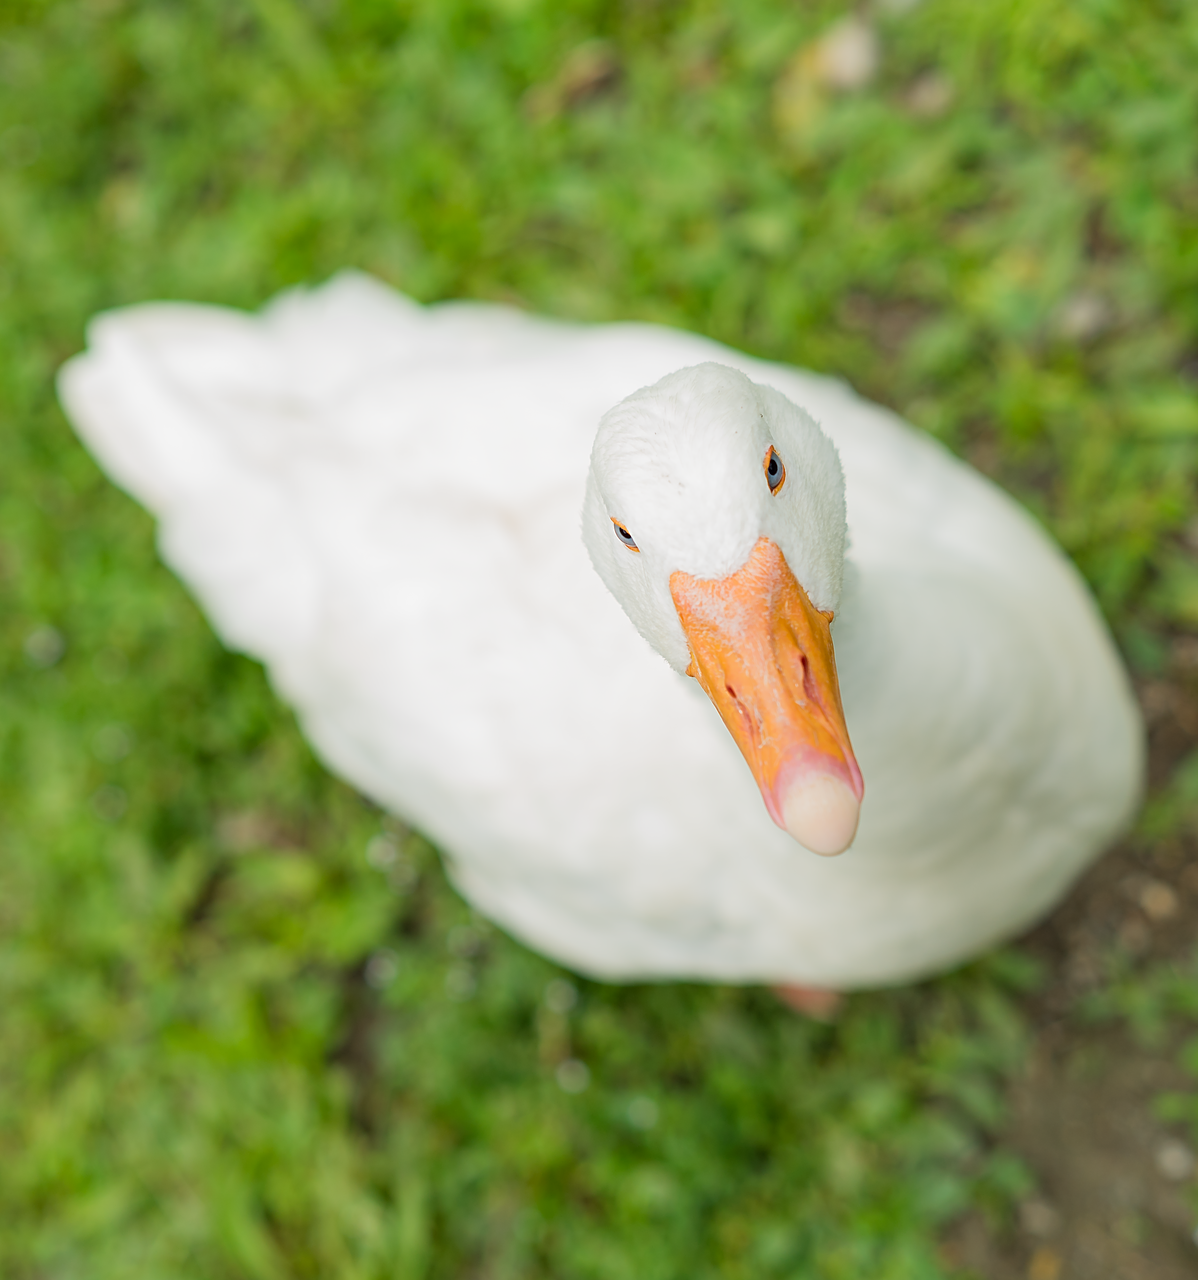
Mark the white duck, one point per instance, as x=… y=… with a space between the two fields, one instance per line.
x=380 y=501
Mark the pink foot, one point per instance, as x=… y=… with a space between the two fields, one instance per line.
x=814 y=1002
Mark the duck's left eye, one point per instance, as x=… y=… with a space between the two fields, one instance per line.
x=775 y=471
x=624 y=536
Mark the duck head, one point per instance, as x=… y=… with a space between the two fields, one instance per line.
x=715 y=515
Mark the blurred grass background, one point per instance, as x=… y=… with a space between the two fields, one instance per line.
x=245 y=1028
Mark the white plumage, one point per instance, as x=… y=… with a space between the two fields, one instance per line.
x=382 y=501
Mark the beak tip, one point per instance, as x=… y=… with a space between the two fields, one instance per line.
x=821 y=813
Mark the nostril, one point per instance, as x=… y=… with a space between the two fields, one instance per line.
x=809 y=690
x=750 y=723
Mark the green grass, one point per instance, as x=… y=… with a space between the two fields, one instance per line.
x=230 y=1045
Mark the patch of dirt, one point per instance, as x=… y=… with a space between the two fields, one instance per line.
x=888 y=322
x=1116 y=1184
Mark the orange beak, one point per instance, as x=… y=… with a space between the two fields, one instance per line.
x=763 y=654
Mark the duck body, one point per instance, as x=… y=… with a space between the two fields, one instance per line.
x=381 y=502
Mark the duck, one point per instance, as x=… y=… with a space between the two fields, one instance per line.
x=692 y=665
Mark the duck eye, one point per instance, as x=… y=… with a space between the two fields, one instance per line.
x=775 y=471
x=624 y=536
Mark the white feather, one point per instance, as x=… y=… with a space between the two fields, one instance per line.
x=381 y=502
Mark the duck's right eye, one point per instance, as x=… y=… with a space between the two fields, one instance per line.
x=775 y=471
x=624 y=536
